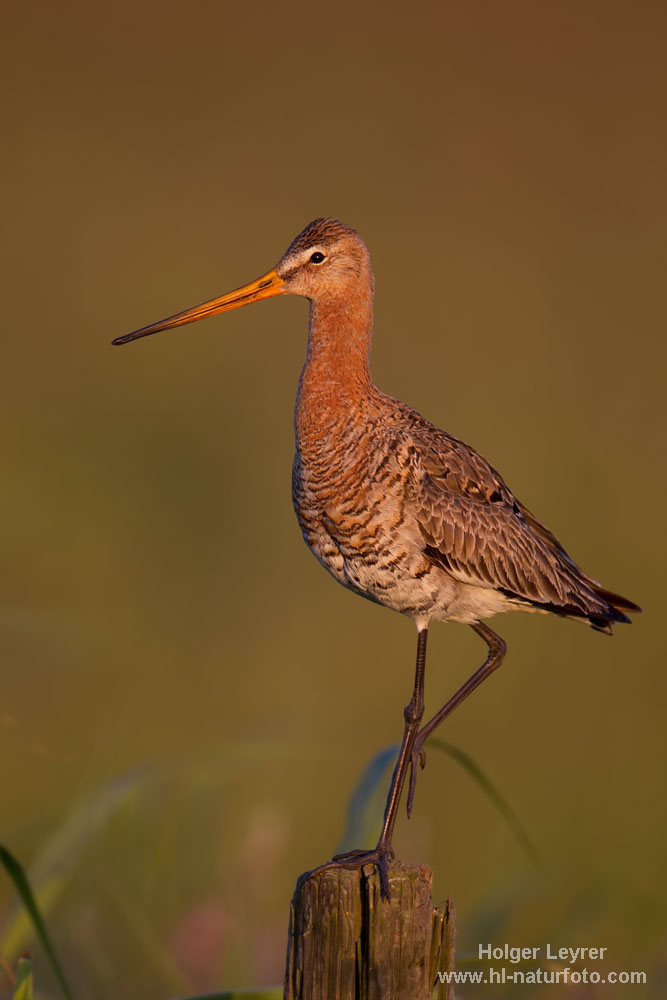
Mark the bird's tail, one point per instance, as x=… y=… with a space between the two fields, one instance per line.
x=617 y=607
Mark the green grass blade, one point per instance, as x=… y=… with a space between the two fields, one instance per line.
x=23 y=988
x=490 y=790
x=17 y=875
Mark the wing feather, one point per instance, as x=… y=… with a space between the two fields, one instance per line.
x=475 y=528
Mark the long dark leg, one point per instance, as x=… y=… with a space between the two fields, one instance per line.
x=412 y=713
x=496 y=654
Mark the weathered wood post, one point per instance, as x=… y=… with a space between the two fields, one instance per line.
x=346 y=943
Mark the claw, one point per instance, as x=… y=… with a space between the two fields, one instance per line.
x=360 y=852
x=379 y=857
x=411 y=787
x=418 y=756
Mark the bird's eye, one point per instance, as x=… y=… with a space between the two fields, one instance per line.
x=317 y=257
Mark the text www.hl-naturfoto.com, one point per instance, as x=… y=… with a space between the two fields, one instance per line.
x=532 y=976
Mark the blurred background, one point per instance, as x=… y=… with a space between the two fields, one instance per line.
x=188 y=699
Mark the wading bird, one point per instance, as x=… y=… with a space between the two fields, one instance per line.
x=394 y=508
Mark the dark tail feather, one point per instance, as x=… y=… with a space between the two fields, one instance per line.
x=617 y=602
x=617 y=606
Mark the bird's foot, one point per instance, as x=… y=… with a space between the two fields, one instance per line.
x=418 y=757
x=379 y=856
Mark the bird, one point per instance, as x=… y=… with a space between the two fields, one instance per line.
x=397 y=510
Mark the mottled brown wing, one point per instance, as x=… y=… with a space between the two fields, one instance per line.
x=474 y=527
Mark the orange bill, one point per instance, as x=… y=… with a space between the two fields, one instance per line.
x=262 y=288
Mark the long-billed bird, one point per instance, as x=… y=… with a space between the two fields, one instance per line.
x=394 y=508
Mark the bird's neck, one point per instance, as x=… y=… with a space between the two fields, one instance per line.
x=336 y=374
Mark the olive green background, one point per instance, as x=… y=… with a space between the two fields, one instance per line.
x=187 y=698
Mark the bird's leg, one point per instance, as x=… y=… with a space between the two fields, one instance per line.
x=497 y=649
x=412 y=713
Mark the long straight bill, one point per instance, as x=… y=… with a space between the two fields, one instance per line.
x=263 y=288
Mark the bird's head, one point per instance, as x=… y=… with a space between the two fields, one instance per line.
x=327 y=259
x=324 y=260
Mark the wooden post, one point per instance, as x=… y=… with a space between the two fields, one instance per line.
x=346 y=943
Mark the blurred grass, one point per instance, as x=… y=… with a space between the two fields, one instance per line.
x=168 y=840
x=53 y=868
x=56 y=867
x=498 y=800
x=24 y=890
x=23 y=989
